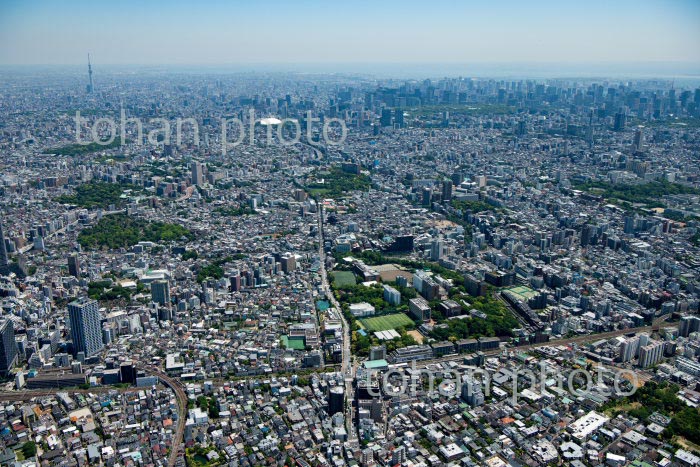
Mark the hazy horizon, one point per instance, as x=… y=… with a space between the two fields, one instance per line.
x=678 y=72
x=662 y=36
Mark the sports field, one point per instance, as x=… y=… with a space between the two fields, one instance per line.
x=523 y=293
x=295 y=343
x=343 y=279
x=386 y=322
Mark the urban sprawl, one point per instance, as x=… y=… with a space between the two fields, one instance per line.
x=167 y=303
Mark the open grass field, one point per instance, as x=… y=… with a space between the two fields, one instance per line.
x=384 y=323
x=343 y=279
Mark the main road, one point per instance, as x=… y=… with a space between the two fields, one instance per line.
x=347 y=369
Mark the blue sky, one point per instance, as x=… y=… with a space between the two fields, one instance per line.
x=435 y=31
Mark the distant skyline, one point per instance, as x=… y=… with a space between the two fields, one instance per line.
x=643 y=36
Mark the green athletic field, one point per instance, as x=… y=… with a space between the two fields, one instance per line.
x=386 y=322
x=343 y=279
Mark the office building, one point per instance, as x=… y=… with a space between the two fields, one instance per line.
x=160 y=292
x=336 y=400
x=8 y=348
x=442 y=348
x=4 y=262
x=447 y=190
x=85 y=327
x=427 y=196
x=398 y=118
x=127 y=373
x=638 y=142
x=620 y=121
x=74 y=265
x=402 y=243
x=688 y=325
x=197 y=173
x=385 y=119
x=289 y=263
x=688 y=366
x=235 y=280
x=472 y=392
x=437 y=248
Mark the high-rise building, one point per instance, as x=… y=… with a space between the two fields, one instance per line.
x=160 y=292
x=398 y=118
x=85 y=326
x=629 y=349
x=472 y=393
x=402 y=243
x=427 y=195
x=437 y=248
x=127 y=373
x=391 y=295
x=197 y=173
x=39 y=243
x=289 y=263
x=8 y=348
x=447 y=190
x=588 y=235
x=688 y=325
x=336 y=400
x=4 y=262
x=620 y=121
x=235 y=280
x=650 y=354
x=74 y=265
x=385 y=119
x=638 y=142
